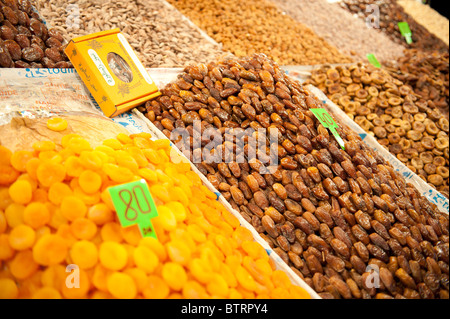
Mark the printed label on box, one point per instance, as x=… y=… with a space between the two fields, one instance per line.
x=111 y=71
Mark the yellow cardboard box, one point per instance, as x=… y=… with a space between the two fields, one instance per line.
x=111 y=71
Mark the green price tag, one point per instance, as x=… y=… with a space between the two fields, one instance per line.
x=328 y=122
x=405 y=31
x=134 y=205
x=373 y=60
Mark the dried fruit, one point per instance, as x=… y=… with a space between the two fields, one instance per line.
x=410 y=129
x=201 y=250
x=323 y=210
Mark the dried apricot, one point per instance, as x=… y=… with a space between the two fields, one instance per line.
x=19 y=160
x=50 y=249
x=23 y=265
x=73 y=207
x=174 y=275
x=113 y=255
x=49 y=173
x=156 y=288
x=84 y=254
x=57 y=124
x=21 y=192
x=22 y=237
x=90 y=182
x=36 y=214
x=8 y=289
x=145 y=259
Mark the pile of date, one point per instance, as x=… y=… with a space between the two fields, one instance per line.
x=25 y=40
x=344 y=220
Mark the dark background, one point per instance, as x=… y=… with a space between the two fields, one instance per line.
x=440 y=6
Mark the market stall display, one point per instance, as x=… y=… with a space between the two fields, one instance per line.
x=259 y=27
x=389 y=110
x=390 y=14
x=263 y=187
x=353 y=36
x=428 y=17
x=328 y=212
x=160 y=34
x=25 y=40
x=56 y=211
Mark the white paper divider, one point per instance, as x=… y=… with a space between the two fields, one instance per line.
x=163 y=76
x=280 y=264
x=46 y=92
x=424 y=188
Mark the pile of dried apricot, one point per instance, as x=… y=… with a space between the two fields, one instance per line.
x=60 y=236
